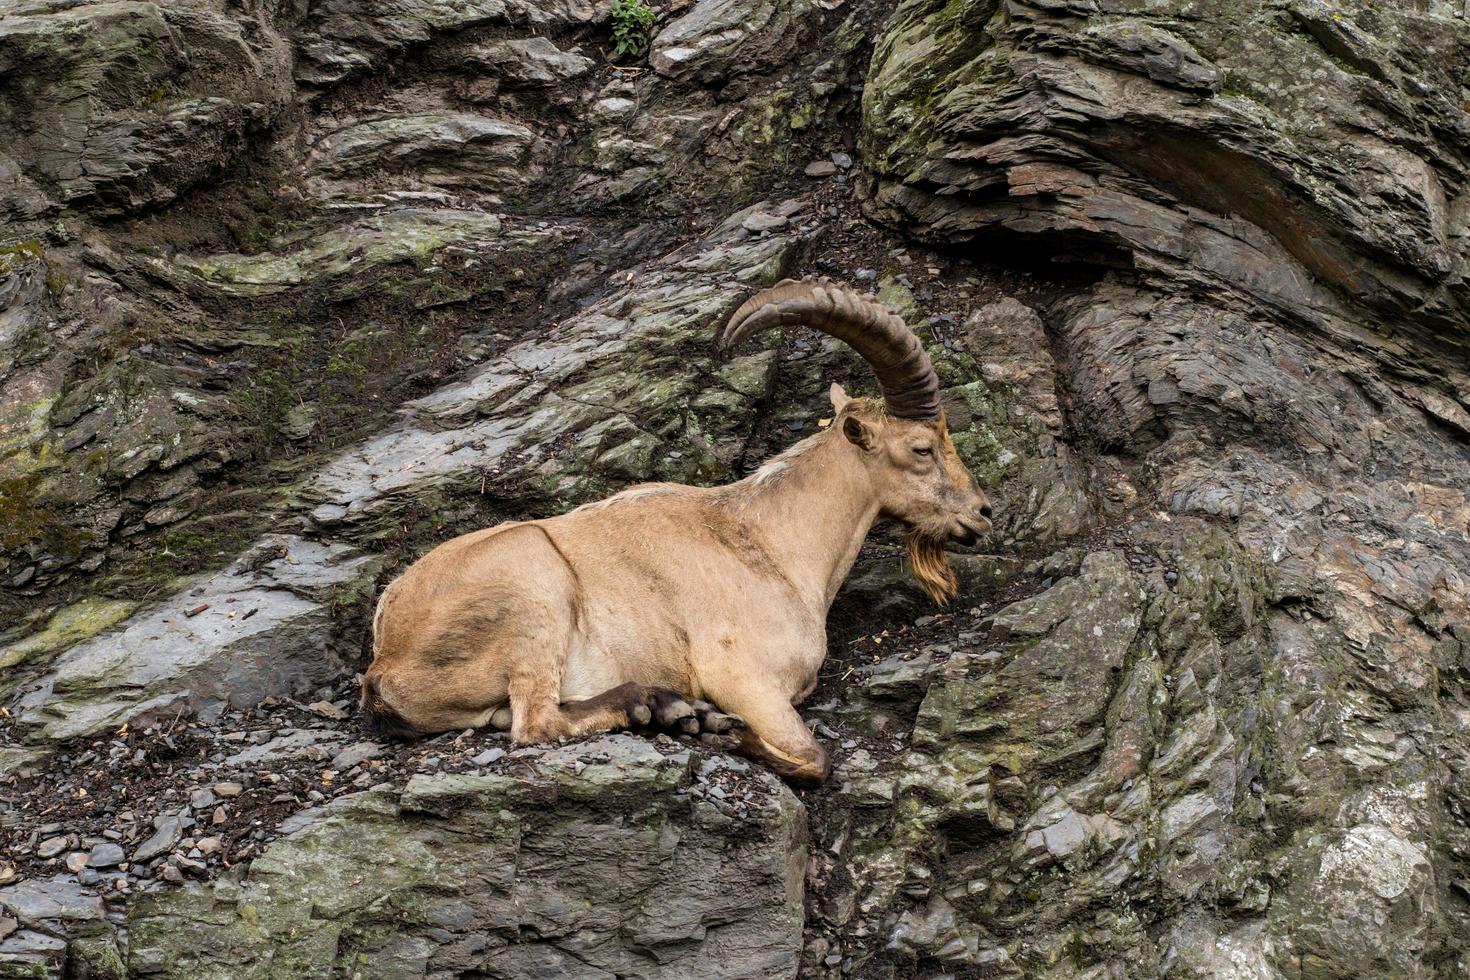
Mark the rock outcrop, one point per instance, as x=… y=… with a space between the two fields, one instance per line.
x=1275 y=348
x=602 y=859
x=289 y=293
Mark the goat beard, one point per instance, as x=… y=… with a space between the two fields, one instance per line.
x=930 y=566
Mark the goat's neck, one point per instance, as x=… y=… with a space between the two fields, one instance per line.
x=814 y=513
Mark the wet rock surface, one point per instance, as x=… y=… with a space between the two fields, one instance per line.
x=289 y=294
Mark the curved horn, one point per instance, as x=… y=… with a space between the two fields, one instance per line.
x=905 y=374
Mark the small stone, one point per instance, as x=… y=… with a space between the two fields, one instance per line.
x=210 y=845
x=761 y=221
x=488 y=756
x=48 y=849
x=355 y=755
x=220 y=816
x=7 y=926
x=76 y=861
x=162 y=841
x=821 y=168
x=228 y=790
x=842 y=160
x=326 y=709
x=201 y=799
x=106 y=855
x=616 y=107
x=172 y=875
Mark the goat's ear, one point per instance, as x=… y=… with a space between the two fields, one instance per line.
x=839 y=397
x=859 y=433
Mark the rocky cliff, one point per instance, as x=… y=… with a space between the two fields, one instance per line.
x=290 y=291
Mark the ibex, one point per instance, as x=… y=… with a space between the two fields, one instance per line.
x=625 y=611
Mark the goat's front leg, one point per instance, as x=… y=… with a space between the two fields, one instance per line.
x=774 y=735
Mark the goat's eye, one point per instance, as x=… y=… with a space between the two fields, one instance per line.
x=923 y=450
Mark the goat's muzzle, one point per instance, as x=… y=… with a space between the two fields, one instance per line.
x=970 y=527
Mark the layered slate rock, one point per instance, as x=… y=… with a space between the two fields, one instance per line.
x=57 y=928
x=720 y=38
x=626 y=390
x=259 y=628
x=117 y=106
x=340 y=39
x=1270 y=201
x=532 y=62
x=602 y=859
x=350 y=249
x=440 y=148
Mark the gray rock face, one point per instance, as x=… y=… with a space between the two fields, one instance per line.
x=259 y=628
x=588 y=380
x=341 y=38
x=119 y=105
x=719 y=38
x=634 y=872
x=60 y=928
x=1271 y=197
x=337 y=257
x=454 y=149
x=533 y=62
x=1317 y=196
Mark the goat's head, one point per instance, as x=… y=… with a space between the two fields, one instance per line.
x=917 y=475
x=903 y=439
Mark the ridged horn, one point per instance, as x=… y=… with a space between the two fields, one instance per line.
x=905 y=374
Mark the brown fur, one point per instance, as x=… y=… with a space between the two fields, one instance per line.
x=582 y=622
x=931 y=569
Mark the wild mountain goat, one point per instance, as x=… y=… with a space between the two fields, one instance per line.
x=624 y=611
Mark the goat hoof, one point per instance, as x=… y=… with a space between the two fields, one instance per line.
x=714 y=721
x=688 y=726
x=500 y=718
x=669 y=709
x=639 y=714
